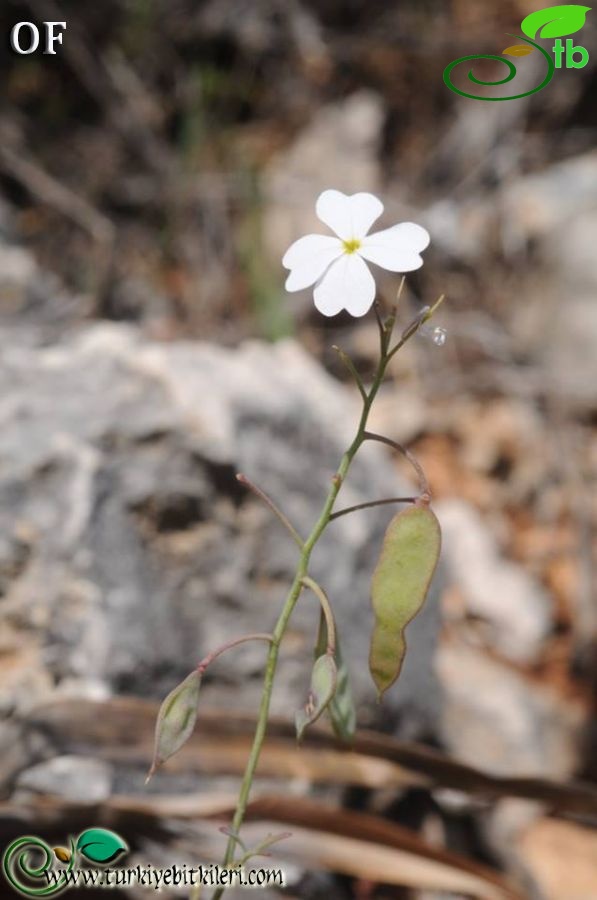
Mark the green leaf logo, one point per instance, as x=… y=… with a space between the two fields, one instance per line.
x=99 y=845
x=556 y=21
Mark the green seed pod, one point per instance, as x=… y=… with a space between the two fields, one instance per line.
x=323 y=687
x=176 y=720
x=341 y=709
x=401 y=580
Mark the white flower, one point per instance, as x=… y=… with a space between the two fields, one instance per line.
x=336 y=265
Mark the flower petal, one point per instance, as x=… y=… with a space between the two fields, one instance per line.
x=350 y=216
x=396 y=249
x=347 y=284
x=308 y=258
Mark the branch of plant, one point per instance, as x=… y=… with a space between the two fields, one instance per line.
x=325 y=517
x=351 y=368
x=425 y=314
x=371 y=503
x=326 y=609
x=272 y=506
x=207 y=660
x=423 y=483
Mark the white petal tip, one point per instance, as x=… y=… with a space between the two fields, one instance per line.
x=290 y=286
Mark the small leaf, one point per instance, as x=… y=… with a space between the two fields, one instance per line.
x=341 y=709
x=401 y=579
x=264 y=845
x=225 y=829
x=62 y=854
x=100 y=845
x=323 y=685
x=518 y=50
x=176 y=720
x=555 y=21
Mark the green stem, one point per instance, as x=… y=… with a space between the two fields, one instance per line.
x=326 y=609
x=270 y=503
x=372 y=503
x=290 y=603
x=207 y=660
x=298 y=583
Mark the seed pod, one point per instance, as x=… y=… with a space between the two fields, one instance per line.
x=323 y=686
x=341 y=708
x=401 y=579
x=176 y=720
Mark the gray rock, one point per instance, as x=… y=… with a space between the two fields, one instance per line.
x=31 y=299
x=76 y=778
x=545 y=203
x=515 y=608
x=498 y=720
x=142 y=553
x=13 y=752
x=547 y=219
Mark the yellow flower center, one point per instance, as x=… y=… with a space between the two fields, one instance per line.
x=351 y=246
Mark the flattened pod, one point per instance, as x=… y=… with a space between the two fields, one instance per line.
x=341 y=709
x=401 y=580
x=323 y=688
x=176 y=720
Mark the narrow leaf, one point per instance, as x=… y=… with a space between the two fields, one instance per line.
x=176 y=720
x=518 y=50
x=555 y=21
x=100 y=845
x=341 y=709
x=323 y=686
x=401 y=579
x=263 y=846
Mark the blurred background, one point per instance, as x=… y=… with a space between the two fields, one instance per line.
x=152 y=173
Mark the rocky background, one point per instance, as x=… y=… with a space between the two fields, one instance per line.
x=151 y=175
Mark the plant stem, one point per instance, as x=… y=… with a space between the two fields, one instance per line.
x=207 y=660
x=325 y=517
x=370 y=504
x=326 y=609
x=423 y=484
x=270 y=503
x=292 y=597
x=351 y=368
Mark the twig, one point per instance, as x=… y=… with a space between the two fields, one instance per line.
x=276 y=511
x=54 y=194
x=289 y=605
x=113 y=94
x=326 y=610
x=400 y=289
x=207 y=660
x=423 y=483
x=351 y=368
x=435 y=307
x=370 y=503
x=424 y=315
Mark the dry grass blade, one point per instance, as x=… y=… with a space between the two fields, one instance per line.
x=323 y=837
x=370 y=848
x=122 y=728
